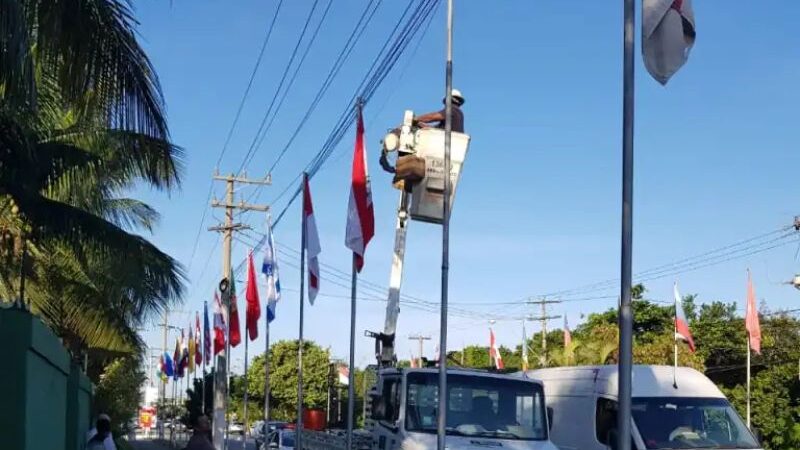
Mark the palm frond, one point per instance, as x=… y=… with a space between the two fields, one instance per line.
x=91 y=45
x=17 y=80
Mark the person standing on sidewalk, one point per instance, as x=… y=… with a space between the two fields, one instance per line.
x=99 y=437
x=200 y=439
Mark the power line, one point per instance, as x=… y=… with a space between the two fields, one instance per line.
x=232 y=128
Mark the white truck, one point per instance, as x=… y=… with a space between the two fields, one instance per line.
x=485 y=410
x=673 y=408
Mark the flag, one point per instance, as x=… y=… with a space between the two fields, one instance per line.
x=682 y=332
x=167 y=367
x=436 y=355
x=184 y=353
x=206 y=334
x=668 y=34
x=270 y=269
x=191 y=350
x=235 y=333
x=220 y=327
x=344 y=375
x=176 y=358
x=253 y=311
x=494 y=352
x=198 y=348
x=751 y=318
x=524 y=349
x=567 y=333
x=413 y=361
x=312 y=243
x=360 y=215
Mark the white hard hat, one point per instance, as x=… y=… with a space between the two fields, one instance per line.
x=457 y=97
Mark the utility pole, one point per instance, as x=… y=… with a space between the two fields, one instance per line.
x=421 y=339
x=227 y=229
x=543 y=318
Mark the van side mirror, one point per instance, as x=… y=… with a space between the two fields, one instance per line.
x=550 y=418
x=378 y=408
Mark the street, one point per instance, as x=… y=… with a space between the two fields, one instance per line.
x=235 y=443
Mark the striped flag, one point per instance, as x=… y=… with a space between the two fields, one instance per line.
x=198 y=348
x=190 y=351
x=751 y=317
x=206 y=334
x=220 y=328
x=567 y=333
x=682 y=332
x=235 y=333
x=668 y=34
x=494 y=352
x=360 y=214
x=269 y=267
x=311 y=243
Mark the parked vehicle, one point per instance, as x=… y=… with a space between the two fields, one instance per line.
x=280 y=440
x=672 y=409
x=236 y=428
x=264 y=429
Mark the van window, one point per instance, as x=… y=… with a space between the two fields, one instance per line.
x=606 y=423
x=605 y=419
x=391 y=392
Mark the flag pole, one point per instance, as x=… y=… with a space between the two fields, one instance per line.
x=203 y=379
x=266 y=374
x=625 y=314
x=299 y=435
x=246 y=338
x=748 y=382
x=351 y=377
x=675 y=346
x=448 y=131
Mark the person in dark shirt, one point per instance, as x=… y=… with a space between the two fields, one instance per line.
x=437 y=119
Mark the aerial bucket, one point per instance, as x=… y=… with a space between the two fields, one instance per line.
x=427 y=198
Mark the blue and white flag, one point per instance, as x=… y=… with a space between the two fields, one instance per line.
x=270 y=269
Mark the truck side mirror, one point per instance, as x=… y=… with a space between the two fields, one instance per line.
x=550 y=418
x=378 y=408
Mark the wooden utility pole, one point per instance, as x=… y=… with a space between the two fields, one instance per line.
x=227 y=229
x=543 y=318
x=421 y=339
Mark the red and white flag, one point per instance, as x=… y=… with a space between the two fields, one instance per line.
x=567 y=333
x=494 y=353
x=751 y=318
x=312 y=243
x=668 y=34
x=220 y=330
x=360 y=214
x=682 y=331
x=253 y=312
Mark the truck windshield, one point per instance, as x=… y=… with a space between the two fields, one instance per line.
x=478 y=406
x=684 y=423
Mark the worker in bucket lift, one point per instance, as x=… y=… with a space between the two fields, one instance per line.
x=411 y=168
x=437 y=118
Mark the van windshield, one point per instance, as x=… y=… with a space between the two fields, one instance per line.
x=478 y=406
x=687 y=423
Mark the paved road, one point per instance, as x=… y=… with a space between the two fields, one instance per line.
x=148 y=444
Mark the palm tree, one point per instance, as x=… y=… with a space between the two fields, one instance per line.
x=81 y=121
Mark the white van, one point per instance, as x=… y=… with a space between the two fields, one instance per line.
x=582 y=403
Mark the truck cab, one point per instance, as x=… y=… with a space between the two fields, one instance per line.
x=485 y=410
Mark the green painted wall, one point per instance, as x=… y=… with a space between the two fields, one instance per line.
x=44 y=401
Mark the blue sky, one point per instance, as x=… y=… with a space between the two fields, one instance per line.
x=538 y=207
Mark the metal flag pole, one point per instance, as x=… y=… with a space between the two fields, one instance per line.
x=748 y=382
x=299 y=433
x=625 y=312
x=266 y=374
x=448 y=130
x=246 y=338
x=351 y=377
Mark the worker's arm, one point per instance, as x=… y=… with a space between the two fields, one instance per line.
x=428 y=118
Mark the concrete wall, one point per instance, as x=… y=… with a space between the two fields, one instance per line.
x=44 y=400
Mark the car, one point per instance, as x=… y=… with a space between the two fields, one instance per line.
x=280 y=440
x=236 y=428
x=271 y=426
